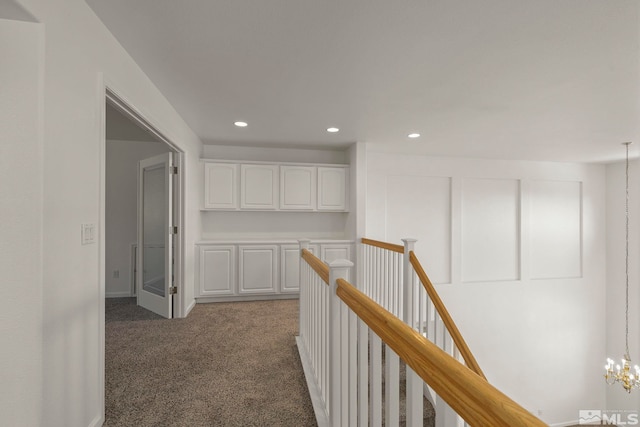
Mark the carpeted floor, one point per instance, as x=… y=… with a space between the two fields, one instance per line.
x=227 y=364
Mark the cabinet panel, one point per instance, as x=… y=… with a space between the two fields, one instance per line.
x=217 y=270
x=289 y=268
x=297 y=187
x=257 y=269
x=259 y=187
x=220 y=186
x=332 y=189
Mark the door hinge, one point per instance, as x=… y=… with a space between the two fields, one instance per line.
x=173 y=170
x=173 y=230
x=173 y=290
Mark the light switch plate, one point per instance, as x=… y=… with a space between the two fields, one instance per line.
x=88 y=234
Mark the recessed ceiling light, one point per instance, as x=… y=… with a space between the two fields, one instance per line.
x=241 y=124
x=332 y=130
x=414 y=135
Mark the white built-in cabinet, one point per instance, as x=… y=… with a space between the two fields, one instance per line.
x=259 y=187
x=298 y=187
x=258 y=269
x=245 y=270
x=332 y=189
x=220 y=186
x=217 y=270
x=279 y=187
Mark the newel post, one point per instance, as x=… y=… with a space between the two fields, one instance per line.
x=303 y=287
x=338 y=269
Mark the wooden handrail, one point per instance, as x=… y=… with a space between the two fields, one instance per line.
x=469 y=360
x=318 y=266
x=383 y=245
x=468 y=394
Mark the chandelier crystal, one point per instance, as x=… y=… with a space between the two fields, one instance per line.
x=622 y=373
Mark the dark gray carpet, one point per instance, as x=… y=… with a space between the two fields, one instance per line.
x=227 y=364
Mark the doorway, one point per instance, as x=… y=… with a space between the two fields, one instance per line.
x=150 y=270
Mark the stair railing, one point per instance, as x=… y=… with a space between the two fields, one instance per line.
x=342 y=336
x=408 y=293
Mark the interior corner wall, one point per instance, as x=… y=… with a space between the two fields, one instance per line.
x=617 y=398
x=80 y=57
x=21 y=50
x=121 y=211
x=516 y=250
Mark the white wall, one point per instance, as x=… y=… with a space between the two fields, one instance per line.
x=121 y=210
x=265 y=225
x=518 y=251
x=79 y=53
x=617 y=398
x=21 y=50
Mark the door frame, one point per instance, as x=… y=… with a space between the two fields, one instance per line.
x=123 y=106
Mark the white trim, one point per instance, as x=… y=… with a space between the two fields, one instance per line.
x=102 y=154
x=190 y=307
x=118 y=101
x=97 y=421
x=236 y=298
x=255 y=162
x=132 y=268
x=322 y=418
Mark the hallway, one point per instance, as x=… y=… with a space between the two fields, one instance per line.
x=227 y=364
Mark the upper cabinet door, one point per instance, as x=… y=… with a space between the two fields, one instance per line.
x=259 y=187
x=332 y=189
x=220 y=186
x=297 y=187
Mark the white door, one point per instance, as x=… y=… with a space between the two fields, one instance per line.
x=155 y=234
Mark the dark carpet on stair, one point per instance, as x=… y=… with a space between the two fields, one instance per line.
x=226 y=364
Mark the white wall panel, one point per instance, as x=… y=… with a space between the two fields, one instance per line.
x=419 y=207
x=542 y=324
x=555 y=229
x=490 y=230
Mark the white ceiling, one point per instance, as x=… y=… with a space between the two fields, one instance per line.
x=511 y=79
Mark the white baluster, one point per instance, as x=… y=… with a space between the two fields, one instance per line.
x=414 y=382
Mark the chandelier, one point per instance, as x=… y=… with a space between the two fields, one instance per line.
x=622 y=373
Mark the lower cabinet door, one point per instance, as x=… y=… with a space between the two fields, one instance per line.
x=257 y=269
x=217 y=270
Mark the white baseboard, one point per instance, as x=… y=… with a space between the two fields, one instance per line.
x=322 y=417
x=97 y=421
x=190 y=307
x=207 y=300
